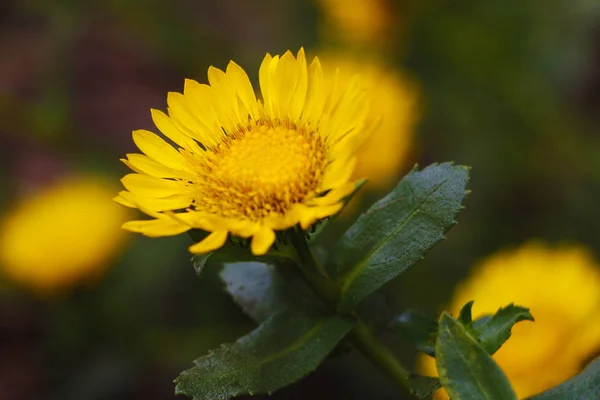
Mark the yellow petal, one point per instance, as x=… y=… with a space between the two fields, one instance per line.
x=156 y=227
x=285 y=82
x=211 y=243
x=170 y=203
x=299 y=96
x=338 y=174
x=145 y=165
x=166 y=126
x=145 y=185
x=263 y=77
x=262 y=241
x=220 y=83
x=198 y=123
x=239 y=79
x=125 y=199
x=315 y=98
x=314 y=214
x=159 y=150
x=334 y=195
x=208 y=104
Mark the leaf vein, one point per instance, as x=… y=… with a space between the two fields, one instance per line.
x=360 y=266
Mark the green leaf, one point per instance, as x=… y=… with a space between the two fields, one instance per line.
x=199 y=261
x=417 y=329
x=493 y=332
x=396 y=232
x=261 y=290
x=281 y=351
x=424 y=386
x=466 y=369
x=465 y=316
x=585 y=386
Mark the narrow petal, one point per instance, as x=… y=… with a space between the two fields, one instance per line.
x=125 y=199
x=285 y=82
x=338 y=174
x=313 y=214
x=156 y=227
x=220 y=83
x=262 y=241
x=159 y=150
x=239 y=79
x=212 y=242
x=166 y=126
x=145 y=185
x=145 y=165
x=193 y=114
x=315 y=97
x=210 y=105
x=334 y=195
x=299 y=96
x=263 y=77
x=169 y=203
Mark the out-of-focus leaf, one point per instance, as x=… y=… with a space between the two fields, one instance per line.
x=492 y=332
x=261 y=291
x=424 y=386
x=374 y=312
x=281 y=351
x=585 y=386
x=466 y=369
x=417 y=329
x=396 y=232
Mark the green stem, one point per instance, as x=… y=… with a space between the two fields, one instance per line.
x=363 y=338
x=370 y=345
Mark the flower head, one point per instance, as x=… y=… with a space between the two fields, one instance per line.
x=62 y=235
x=561 y=286
x=245 y=166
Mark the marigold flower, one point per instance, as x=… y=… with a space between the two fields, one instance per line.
x=394 y=113
x=244 y=166
x=61 y=236
x=561 y=286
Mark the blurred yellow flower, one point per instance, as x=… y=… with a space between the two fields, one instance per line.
x=561 y=286
x=394 y=113
x=245 y=166
x=61 y=236
x=356 y=21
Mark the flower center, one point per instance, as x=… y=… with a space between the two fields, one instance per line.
x=261 y=169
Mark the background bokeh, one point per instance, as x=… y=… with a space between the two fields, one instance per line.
x=510 y=88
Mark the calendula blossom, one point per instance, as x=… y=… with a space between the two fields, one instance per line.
x=245 y=166
x=561 y=286
x=62 y=235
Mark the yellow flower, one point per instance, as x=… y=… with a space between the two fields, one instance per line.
x=561 y=286
x=248 y=167
x=61 y=236
x=357 y=21
x=394 y=113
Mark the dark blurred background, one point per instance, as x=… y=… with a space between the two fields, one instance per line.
x=511 y=88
